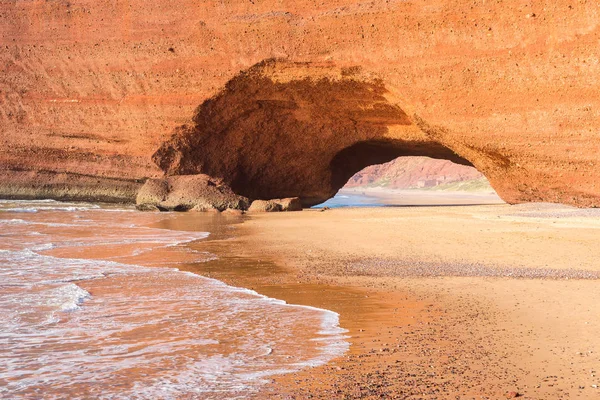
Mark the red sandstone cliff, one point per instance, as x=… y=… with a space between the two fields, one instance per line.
x=91 y=89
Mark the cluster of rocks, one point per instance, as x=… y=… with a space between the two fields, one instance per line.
x=203 y=193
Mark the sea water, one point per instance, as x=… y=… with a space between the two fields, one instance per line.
x=93 y=305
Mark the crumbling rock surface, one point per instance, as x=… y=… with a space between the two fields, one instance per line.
x=91 y=89
x=185 y=193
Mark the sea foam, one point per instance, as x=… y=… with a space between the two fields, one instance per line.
x=115 y=329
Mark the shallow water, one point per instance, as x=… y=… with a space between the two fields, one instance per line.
x=93 y=306
x=356 y=197
x=346 y=199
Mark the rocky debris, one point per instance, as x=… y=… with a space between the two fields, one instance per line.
x=152 y=194
x=188 y=192
x=275 y=205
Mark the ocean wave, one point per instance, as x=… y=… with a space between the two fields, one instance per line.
x=34 y=206
x=79 y=322
x=68 y=298
x=43 y=247
x=37 y=209
x=6 y=201
x=168 y=316
x=21 y=210
x=13 y=221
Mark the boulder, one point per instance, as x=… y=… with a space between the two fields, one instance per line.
x=275 y=205
x=290 y=204
x=188 y=192
x=152 y=193
x=264 y=206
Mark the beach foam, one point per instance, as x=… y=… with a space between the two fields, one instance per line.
x=97 y=328
x=33 y=206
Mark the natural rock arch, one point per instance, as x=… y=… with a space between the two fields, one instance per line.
x=282 y=129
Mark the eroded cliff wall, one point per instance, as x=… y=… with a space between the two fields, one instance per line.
x=91 y=89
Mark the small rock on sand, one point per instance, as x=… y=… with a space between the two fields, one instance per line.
x=264 y=206
x=274 y=205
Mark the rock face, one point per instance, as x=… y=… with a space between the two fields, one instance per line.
x=89 y=90
x=184 y=193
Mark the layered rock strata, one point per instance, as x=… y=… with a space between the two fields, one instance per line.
x=89 y=90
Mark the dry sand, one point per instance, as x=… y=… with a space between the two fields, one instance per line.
x=440 y=302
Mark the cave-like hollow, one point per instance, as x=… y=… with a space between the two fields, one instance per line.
x=283 y=129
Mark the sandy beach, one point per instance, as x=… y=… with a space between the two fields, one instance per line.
x=492 y=301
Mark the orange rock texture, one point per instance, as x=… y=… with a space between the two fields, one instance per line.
x=92 y=89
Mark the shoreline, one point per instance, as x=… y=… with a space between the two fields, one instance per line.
x=427 y=337
x=460 y=333
x=99 y=294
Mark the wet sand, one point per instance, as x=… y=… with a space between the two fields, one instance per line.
x=420 y=197
x=510 y=308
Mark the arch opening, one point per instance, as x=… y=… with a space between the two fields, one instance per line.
x=412 y=181
x=355 y=158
